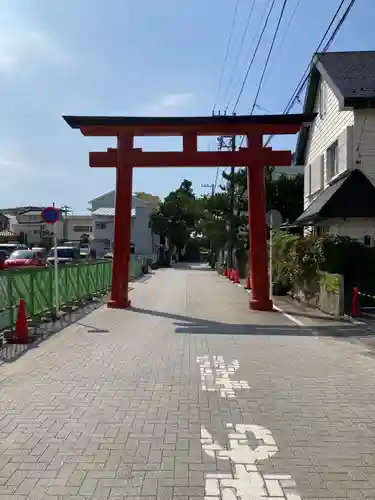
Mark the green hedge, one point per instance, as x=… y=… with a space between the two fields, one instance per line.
x=300 y=259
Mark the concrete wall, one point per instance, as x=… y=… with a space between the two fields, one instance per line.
x=322 y=295
x=77 y=225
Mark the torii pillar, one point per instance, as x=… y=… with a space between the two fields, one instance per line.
x=255 y=157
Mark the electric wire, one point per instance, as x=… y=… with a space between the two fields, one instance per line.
x=305 y=77
x=250 y=52
x=268 y=56
x=239 y=51
x=286 y=31
x=226 y=54
x=254 y=55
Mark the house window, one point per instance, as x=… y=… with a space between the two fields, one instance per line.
x=367 y=240
x=332 y=161
x=323 y=100
x=81 y=229
x=100 y=225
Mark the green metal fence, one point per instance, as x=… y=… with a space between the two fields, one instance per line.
x=36 y=286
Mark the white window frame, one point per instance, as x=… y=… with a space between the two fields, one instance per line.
x=323 y=100
x=332 y=161
x=308 y=174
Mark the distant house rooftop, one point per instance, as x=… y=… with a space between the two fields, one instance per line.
x=108 y=212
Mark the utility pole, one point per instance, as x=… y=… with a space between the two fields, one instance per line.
x=212 y=186
x=65 y=211
x=229 y=143
x=232 y=188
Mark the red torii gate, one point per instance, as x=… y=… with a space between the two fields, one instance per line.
x=254 y=156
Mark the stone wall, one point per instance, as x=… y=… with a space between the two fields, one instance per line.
x=325 y=293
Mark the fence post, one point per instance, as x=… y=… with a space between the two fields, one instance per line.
x=31 y=307
x=50 y=286
x=10 y=298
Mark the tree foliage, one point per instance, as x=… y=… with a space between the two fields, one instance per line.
x=176 y=217
x=182 y=215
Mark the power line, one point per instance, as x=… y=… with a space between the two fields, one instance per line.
x=226 y=54
x=305 y=77
x=287 y=27
x=254 y=55
x=268 y=56
x=251 y=46
x=281 y=15
x=239 y=51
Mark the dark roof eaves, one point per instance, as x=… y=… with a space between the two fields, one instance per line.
x=324 y=73
x=308 y=108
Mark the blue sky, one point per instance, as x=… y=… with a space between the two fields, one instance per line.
x=134 y=57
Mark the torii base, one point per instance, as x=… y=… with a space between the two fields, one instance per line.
x=115 y=304
x=261 y=305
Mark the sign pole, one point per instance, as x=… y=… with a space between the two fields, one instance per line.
x=56 y=271
x=51 y=215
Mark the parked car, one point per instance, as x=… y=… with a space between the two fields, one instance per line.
x=65 y=255
x=3 y=257
x=41 y=250
x=24 y=258
x=12 y=247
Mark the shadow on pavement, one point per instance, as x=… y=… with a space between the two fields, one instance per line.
x=193 y=266
x=42 y=331
x=189 y=325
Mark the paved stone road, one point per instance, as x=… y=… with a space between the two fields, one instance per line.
x=189 y=394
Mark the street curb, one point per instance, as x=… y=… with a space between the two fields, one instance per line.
x=344 y=317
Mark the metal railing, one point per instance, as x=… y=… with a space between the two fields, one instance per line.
x=36 y=286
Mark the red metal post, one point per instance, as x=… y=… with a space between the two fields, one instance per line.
x=355 y=304
x=121 y=258
x=260 y=299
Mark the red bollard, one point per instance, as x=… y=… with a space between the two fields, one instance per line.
x=225 y=272
x=355 y=305
x=247 y=284
x=237 y=278
x=229 y=275
x=22 y=330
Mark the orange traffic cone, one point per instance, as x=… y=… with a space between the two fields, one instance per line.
x=229 y=275
x=247 y=284
x=233 y=277
x=237 y=278
x=225 y=272
x=22 y=330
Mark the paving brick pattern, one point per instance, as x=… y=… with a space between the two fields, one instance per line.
x=113 y=407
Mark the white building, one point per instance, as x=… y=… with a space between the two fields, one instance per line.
x=338 y=150
x=77 y=226
x=29 y=226
x=103 y=215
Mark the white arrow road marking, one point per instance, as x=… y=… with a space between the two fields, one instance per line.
x=216 y=376
x=247 y=483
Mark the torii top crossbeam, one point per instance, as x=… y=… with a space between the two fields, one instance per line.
x=198 y=125
x=189 y=128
